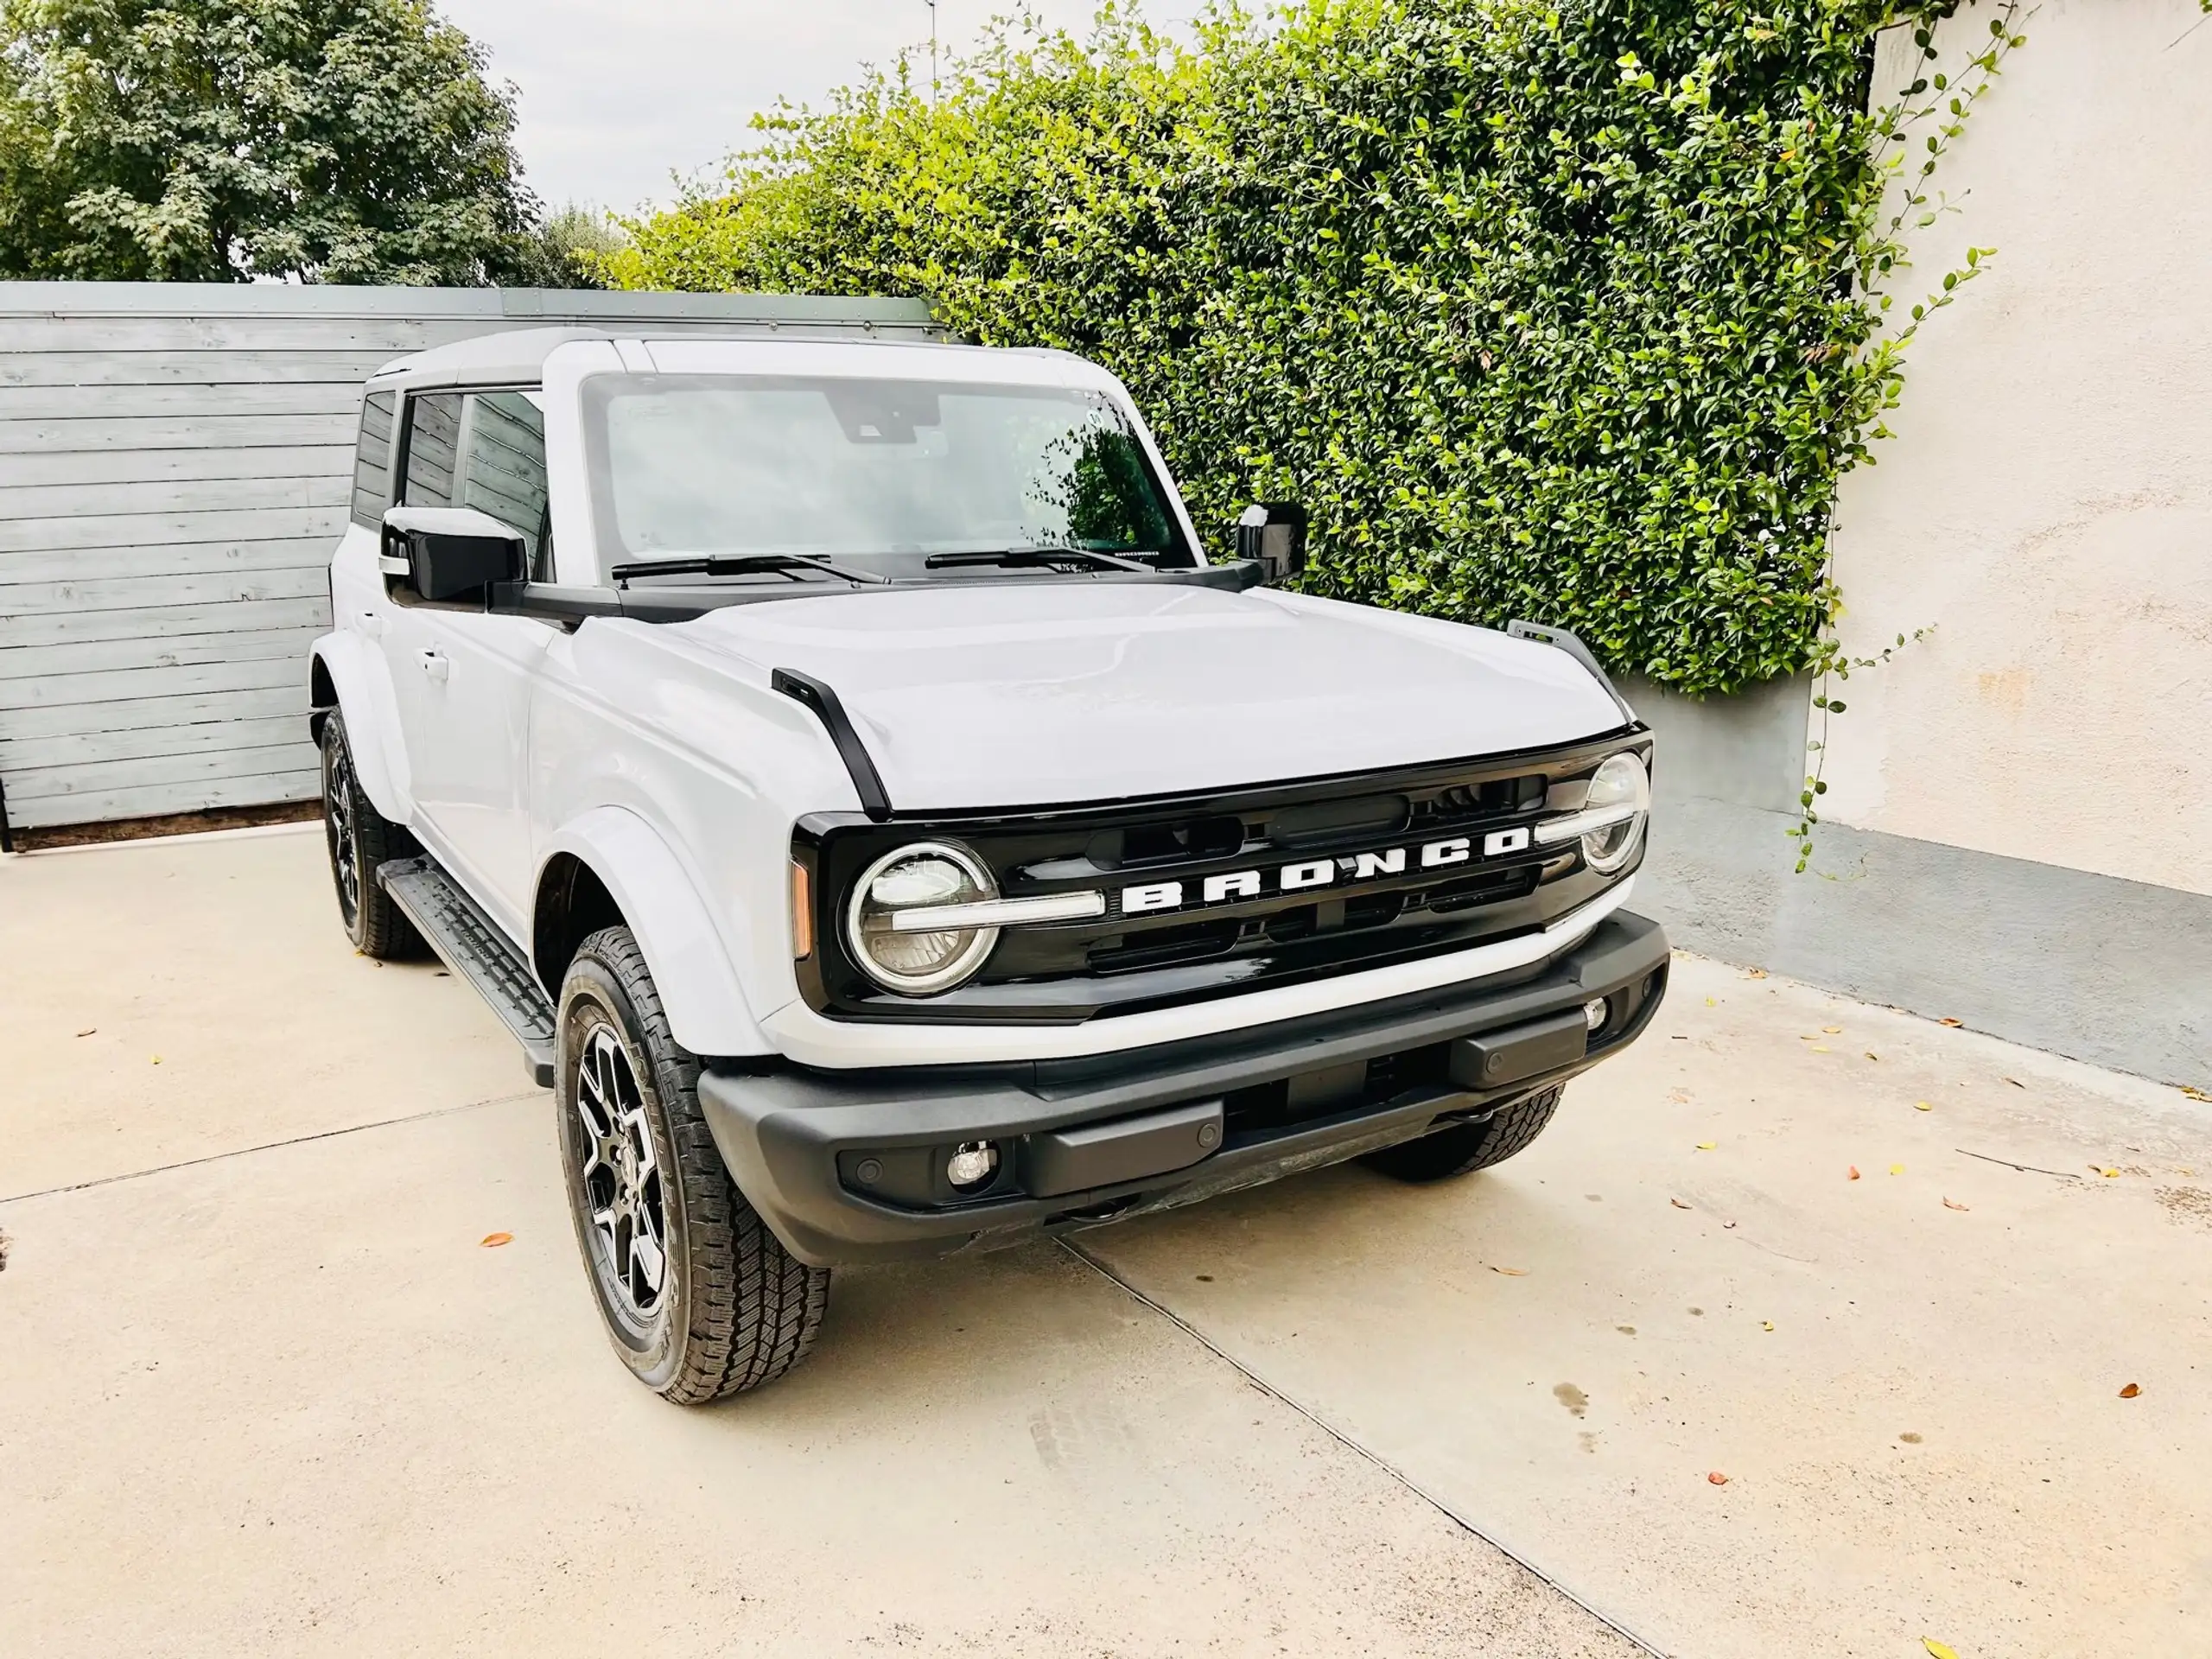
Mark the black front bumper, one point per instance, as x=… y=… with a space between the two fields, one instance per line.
x=847 y=1166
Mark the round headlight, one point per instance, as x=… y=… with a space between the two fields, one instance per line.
x=911 y=962
x=1620 y=782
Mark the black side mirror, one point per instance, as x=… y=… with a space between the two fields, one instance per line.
x=1274 y=534
x=450 y=553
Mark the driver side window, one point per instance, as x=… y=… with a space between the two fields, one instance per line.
x=485 y=450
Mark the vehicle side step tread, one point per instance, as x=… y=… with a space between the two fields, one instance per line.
x=468 y=942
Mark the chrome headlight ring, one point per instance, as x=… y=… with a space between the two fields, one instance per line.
x=921 y=876
x=1610 y=824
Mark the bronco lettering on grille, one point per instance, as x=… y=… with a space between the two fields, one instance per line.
x=1232 y=886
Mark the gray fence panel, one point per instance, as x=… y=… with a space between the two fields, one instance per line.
x=174 y=467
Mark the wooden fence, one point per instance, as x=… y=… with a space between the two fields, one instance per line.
x=175 y=463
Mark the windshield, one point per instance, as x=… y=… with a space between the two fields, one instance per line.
x=882 y=472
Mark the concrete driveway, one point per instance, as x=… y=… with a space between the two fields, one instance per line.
x=263 y=1391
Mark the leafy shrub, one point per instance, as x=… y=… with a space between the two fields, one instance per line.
x=1548 y=310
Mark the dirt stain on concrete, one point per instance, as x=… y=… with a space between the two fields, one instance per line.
x=2190 y=1205
x=1572 y=1398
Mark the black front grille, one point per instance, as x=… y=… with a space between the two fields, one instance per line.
x=1341 y=867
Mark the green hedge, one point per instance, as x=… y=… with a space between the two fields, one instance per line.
x=1554 y=311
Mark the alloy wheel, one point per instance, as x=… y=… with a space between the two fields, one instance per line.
x=338 y=817
x=621 y=1177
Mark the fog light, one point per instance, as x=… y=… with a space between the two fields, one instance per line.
x=1593 y=1013
x=972 y=1163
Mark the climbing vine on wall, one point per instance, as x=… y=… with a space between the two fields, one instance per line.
x=1911 y=135
x=1569 y=311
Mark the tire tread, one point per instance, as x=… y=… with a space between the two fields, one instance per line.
x=754 y=1309
x=381 y=931
x=1462 y=1149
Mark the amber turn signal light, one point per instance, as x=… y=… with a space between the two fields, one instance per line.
x=802 y=912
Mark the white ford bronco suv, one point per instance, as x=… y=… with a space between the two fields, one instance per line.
x=889 y=833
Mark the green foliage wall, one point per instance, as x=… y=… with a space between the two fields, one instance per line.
x=1548 y=310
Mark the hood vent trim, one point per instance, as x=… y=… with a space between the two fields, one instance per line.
x=818 y=696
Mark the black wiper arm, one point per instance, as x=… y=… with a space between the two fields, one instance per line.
x=1018 y=557
x=739 y=564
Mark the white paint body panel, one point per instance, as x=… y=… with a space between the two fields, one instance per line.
x=659 y=754
x=1049 y=694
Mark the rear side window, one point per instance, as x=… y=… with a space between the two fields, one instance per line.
x=372 y=460
x=484 y=451
x=433 y=428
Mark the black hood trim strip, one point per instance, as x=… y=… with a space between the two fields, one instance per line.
x=817 y=694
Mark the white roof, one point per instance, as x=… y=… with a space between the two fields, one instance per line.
x=510 y=355
x=518 y=357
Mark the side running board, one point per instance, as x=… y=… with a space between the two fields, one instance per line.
x=468 y=942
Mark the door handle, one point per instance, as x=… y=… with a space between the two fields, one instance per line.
x=435 y=666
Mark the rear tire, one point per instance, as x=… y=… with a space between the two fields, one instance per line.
x=699 y=1298
x=360 y=840
x=1463 y=1147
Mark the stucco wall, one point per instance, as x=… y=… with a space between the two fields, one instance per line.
x=2046 y=505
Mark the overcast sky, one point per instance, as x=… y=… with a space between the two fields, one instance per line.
x=617 y=96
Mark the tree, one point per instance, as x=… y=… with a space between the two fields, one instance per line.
x=337 y=141
x=570 y=249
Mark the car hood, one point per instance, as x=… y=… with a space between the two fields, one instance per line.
x=1053 y=693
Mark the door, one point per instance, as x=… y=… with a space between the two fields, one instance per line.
x=463 y=677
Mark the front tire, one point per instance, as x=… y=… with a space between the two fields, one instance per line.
x=1462 y=1149
x=699 y=1298
x=359 y=839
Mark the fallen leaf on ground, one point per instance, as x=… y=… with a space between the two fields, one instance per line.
x=1922 y=1106
x=157 y=1059
x=2195 y=1094
x=1679 y=1096
x=2016 y=1083
x=1854 y=1172
x=2131 y=1391
x=1938 y=1650
x=492 y=1240
x=1728 y=1224
x=1896 y=1169
x=1706 y=1146
x=1872 y=1055
x=1678 y=1204
x=2109 y=1175
x=1954 y=1023
x=1953 y=1203
x=88 y=1031
x=1711 y=1003
x=1832 y=1031
x=1511 y=1273
x=1766 y=1325
x=1754 y=973
x=1819 y=1048
x=1718 y=1478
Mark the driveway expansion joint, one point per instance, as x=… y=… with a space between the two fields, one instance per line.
x=272 y=1145
x=1351 y=1444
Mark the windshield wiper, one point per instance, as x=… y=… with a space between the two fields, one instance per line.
x=1020 y=558
x=740 y=564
